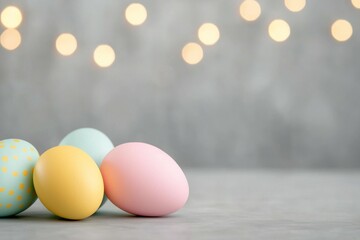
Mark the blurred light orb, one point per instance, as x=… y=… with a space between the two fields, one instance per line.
x=104 y=55
x=136 y=14
x=10 y=39
x=250 y=10
x=356 y=3
x=279 y=30
x=66 y=44
x=11 y=17
x=192 y=53
x=341 y=30
x=208 y=33
x=295 y=5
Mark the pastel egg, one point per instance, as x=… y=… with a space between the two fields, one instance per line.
x=143 y=180
x=17 y=161
x=68 y=182
x=92 y=141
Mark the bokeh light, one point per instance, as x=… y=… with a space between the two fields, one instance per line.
x=66 y=44
x=341 y=30
x=279 y=30
x=136 y=14
x=104 y=55
x=11 y=17
x=192 y=53
x=356 y=3
x=208 y=33
x=295 y=5
x=250 y=10
x=10 y=39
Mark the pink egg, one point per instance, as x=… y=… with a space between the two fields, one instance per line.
x=143 y=180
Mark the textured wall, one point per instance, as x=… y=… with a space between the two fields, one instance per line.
x=251 y=102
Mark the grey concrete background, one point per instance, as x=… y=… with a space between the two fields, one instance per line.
x=251 y=102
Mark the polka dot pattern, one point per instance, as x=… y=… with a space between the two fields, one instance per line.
x=17 y=161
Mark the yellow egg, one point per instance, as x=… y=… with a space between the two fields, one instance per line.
x=68 y=182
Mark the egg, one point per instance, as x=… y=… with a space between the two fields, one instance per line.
x=92 y=141
x=17 y=160
x=68 y=182
x=143 y=180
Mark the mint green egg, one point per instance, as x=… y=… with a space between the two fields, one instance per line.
x=17 y=161
x=92 y=141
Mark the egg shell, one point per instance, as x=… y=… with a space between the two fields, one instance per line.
x=92 y=141
x=143 y=180
x=17 y=161
x=68 y=182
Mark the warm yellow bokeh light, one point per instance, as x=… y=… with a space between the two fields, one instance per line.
x=104 y=55
x=295 y=5
x=250 y=10
x=10 y=39
x=208 y=33
x=192 y=53
x=279 y=30
x=11 y=17
x=356 y=3
x=341 y=30
x=66 y=44
x=136 y=14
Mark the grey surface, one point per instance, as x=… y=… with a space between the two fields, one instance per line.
x=223 y=204
x=251 y=102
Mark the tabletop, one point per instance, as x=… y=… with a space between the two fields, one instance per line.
x=223 y=204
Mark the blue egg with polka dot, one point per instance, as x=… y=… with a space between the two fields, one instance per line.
x=17 y=161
